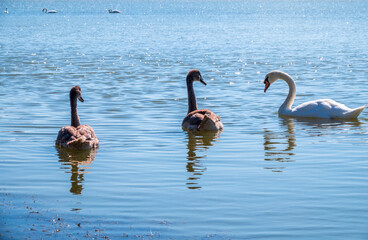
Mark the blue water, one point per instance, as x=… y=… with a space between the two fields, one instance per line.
x=262 y=177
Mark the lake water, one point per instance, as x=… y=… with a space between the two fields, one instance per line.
x=262 y=177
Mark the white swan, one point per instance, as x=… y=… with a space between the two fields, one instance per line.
x=114 y=11
x=6 y=10
x=46 y=11
x=323 y=108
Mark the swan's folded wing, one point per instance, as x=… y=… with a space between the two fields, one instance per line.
x=325 y=108
x=87 y=132
x=66 y=134
x=82 y=137
x=202 y=119
x=193 y=118
x=354 y=113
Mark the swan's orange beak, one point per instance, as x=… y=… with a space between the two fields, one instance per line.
x=81 y=99
x=267 y=84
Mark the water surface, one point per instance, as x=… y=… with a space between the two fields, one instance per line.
x=262 y=177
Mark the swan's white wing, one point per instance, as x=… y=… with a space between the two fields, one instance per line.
x=323 y=108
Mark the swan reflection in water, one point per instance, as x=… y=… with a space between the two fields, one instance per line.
x=76 y=162
x=321 y=127
x=198 y=143
x=280 y=146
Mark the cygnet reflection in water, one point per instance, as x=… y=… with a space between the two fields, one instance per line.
x=76 y=162
x=198 y=143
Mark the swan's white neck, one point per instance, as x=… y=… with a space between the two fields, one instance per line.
x=286 y=106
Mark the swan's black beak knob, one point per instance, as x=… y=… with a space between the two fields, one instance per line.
x=267 y=85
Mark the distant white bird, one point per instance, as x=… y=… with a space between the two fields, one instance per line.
x=114 y=11
x=51 y=11
x=323 y=108
x=6 y=10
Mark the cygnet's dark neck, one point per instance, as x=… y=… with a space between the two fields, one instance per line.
x=192 y=101
x=74 y=112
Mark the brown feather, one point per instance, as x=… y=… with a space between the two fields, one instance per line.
x=202 y=119
x=81 y=137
